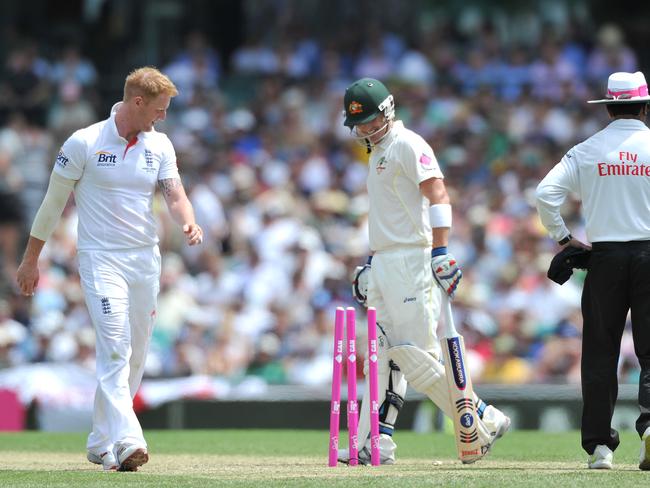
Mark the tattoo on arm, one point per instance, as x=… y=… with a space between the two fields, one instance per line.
x=168 y=185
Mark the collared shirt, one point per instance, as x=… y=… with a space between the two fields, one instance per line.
x=399 y=213
x=610 y=172
x=116 y=182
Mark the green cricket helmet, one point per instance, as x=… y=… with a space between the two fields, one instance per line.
x=364 y=100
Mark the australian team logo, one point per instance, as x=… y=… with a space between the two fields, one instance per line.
x=106 y=159
x=381 y=165
x=355 y=108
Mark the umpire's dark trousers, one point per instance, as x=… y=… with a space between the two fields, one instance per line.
x=618 y=280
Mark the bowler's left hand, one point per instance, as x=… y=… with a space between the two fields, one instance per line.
x=193 y=234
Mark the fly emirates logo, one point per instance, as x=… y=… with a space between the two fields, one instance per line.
x=628 y=166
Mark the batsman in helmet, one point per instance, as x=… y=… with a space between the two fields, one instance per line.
x=409 y=266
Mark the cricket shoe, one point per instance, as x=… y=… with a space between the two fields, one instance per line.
x=644 y=458
x=131 y=456
x=364 y=457
x=387 y=449
x=498 y=424
x=601 y=458
x=106 y=459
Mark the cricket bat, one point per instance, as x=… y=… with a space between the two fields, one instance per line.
x=461 y=392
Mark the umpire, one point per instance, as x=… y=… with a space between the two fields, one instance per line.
x=610 y=172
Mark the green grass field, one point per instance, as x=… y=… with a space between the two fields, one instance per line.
x=274 y=458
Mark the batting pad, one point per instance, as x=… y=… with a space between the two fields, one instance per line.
x=427 y=375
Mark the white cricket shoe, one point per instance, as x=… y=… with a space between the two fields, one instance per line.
x=644 y=457
x=387 y=449
x=131 y=456
x=364 y=457
x=496 y=422
x=106 y=459
x=601 y=458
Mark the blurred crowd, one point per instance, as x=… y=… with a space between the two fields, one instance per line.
x=279 y=188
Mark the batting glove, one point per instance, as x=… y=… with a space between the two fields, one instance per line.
x=360 y=283
x=445 y=270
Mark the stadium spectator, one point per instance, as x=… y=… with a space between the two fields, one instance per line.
x=11 y=205
x=196 y=67
x=72 y=67
x=24 y=85
x=610 y=54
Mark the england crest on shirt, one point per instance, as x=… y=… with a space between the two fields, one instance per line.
x=149 y=162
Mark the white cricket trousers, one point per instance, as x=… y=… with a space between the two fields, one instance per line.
x=121 y=289
x=403 y=290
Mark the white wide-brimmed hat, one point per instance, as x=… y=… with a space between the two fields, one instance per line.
x=625 y=87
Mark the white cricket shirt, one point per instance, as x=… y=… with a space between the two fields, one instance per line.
x=116 y=182
x=399 y=213
x=610 y=172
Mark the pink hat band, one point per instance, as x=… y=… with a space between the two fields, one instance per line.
x=642 y=91
x=625 y=87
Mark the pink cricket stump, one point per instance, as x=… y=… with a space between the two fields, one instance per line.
x=374 y=387
x=337 y=371
x=353 y=408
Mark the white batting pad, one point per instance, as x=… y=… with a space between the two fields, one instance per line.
x=427 y=375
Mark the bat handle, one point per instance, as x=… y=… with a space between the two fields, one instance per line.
x=450 y=327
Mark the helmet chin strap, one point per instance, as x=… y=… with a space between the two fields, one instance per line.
x=365 y=139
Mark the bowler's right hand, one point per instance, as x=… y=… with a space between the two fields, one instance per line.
x=27 y=277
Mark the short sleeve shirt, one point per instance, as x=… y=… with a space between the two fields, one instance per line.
x=399 y=213
x=116 y=183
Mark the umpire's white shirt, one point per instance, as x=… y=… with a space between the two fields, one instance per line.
x=399 y=213
x=610 y=172
x=116 y=183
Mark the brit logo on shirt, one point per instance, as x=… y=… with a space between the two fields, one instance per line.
x=106 y=159
x=62 y=159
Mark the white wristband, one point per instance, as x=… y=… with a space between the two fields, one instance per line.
x=440 y=215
